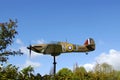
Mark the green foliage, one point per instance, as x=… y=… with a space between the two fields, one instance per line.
x=79 y=73
x=7 y=34
x=27 y=70
x=64 y=74
x=38 y=77
x=26 y=73
x=11 y=72
x=103 y=71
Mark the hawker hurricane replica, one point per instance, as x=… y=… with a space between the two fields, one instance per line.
x=57 y=48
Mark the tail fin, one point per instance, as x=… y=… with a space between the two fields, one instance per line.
x=90 y=44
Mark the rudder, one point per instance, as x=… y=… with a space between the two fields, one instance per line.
x=90 y=44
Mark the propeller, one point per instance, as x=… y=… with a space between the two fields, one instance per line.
x=30 y=48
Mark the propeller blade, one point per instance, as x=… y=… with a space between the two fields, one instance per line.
x=30 y=48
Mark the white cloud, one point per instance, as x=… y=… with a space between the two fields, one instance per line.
x=29 y=63
x=112 y=58
x=41 y=41
x=89 y=66
x=33 y=64
x=18 y=41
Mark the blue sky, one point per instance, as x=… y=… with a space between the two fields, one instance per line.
x=60 y=20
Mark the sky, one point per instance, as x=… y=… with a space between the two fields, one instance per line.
x=43 y=21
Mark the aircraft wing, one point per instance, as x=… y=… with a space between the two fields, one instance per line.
x=53 y=49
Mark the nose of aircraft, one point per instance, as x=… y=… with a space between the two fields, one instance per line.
x=29 y=47
x=36 y=48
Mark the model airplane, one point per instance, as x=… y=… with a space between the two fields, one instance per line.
x=58 y=48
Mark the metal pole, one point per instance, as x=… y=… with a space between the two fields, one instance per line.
x=54 y=63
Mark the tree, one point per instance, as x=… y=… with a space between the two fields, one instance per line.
x=7 y=34
x=79 y=72
x=103 y=71
x=27 y=73
x=117 y=76
x=64 y=74
x=47 y=77
x=38 y=77
x=9 y=72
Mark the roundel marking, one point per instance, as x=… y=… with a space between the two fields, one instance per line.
x=69 y=47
